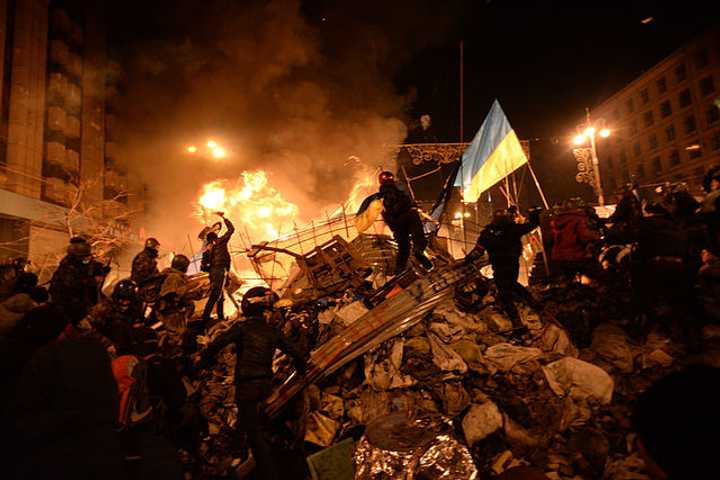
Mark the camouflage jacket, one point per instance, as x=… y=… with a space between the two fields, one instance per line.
x=144 y=267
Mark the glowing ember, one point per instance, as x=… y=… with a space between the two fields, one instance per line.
x=251 y=202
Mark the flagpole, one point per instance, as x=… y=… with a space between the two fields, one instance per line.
x=462 y=139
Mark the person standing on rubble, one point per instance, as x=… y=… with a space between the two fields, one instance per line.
x=502 y=239
x=218 y=266
x=401 y=215
x=255 y=344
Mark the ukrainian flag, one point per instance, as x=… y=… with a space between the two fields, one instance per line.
x=494 y=153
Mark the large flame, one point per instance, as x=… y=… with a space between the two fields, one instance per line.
x=251 y=202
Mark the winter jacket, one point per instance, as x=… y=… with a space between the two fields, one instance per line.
x=397 y=204
x=12 y=310
x=144 y=266
x=65 y=412
x=219 y=254
x=255 y=344
x=70 y=287
x=570 y=237
x=503 y=242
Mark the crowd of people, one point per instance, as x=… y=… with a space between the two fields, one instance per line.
x=94 y=385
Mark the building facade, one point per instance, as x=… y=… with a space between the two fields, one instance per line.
x=666 y=123
x=56 y=134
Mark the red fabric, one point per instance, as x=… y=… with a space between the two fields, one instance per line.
x=570 y=237
x=122 y=371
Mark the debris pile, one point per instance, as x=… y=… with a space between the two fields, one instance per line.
x=425 y=376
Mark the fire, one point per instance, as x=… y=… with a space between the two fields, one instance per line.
x=251 y=202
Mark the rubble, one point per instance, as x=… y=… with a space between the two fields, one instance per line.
x=579 y=380
x=427 y=367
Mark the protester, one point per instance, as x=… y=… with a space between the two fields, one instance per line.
x=117 y=321
x=72 y=282
x=144 y=265
x=65 y=412
x=218 y=266
x=677 y=420
x=571 y=238
x=401 y=215
x=502 y=239
x=255 y=344
x=24 y=296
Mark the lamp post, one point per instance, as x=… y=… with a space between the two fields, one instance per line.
x=590 y=132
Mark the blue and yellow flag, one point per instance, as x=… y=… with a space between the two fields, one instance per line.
x=494 y=153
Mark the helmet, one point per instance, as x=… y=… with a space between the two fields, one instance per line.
x=257 y=300
x=180 y=262
x=79 y=248
x=501 y=217
x=386 y=177
x=152 y=243
x=125 y=292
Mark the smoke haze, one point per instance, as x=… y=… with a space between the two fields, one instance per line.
x=280 y=90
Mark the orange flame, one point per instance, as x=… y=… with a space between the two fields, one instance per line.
x=252 y=202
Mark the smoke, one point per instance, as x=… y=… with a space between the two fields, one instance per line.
x=302 y=95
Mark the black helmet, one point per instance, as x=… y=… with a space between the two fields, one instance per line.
x=125 y=291
x=152 y=243
x=257 y=300
x=386 y=177
x=180 y=262
x=79 y=248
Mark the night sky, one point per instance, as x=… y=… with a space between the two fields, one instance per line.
x=544 y=61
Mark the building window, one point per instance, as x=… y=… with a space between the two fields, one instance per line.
x=670 y=132
x=640 y=172
x=685 y=98
x=634 y=128
x=630 y=105
x=680 y=73
x=674 y=158
x=661 y=85
x=657 y=166
x=648 y=118
x=716 y=141
x=707 y=86
x=695 y=153
x=653 y=141
x=644 y=96
x=702 y=58
x=712 y=114
x=665 y=109
x=637 y=150
x=690 y=125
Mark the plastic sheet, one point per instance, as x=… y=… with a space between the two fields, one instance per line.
x=396 y=447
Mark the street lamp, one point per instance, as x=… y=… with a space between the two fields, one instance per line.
x=589 y=132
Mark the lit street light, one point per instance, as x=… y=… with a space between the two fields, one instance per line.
x=192 y=149
x=212 y=144
x=589 y=133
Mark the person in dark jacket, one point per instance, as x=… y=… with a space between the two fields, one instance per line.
x=144 y=265
x=72 y=282
x=117 y=322
x=502 y=239
x=255 y=344
x=219 y=265
x=65 y=413
x=401 y=215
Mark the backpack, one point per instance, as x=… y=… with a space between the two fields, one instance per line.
x=131 y=374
